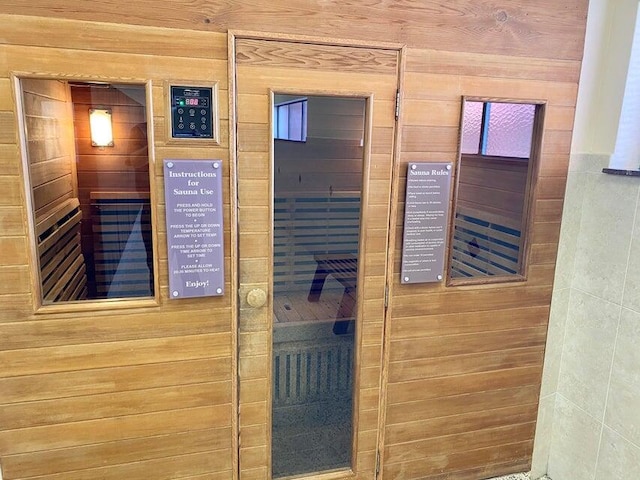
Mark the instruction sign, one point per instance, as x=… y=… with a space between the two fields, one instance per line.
x=425 y=222
x=194 y=209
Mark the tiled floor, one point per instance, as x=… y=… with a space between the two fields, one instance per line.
x=519 y=476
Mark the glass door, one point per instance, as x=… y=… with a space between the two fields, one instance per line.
x=318 y=166
x=315 y=143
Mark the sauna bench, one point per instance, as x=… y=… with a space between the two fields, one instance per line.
x=344 y=268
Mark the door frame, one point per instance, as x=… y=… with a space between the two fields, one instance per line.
x=400 y=49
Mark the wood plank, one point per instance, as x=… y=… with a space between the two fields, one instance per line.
x=468 y=322
x=10 y=163
x=472 y=300
x=15 y=280
x=431 y=466
x=34 y=31
x=74 y=409
x=461 y=384
x=433 y=428
x=163 y=468
x=114 y=380
x=316 y=81
x=443 y=346
x=11 y=188
x=315 y=57
x=403 y=371
x=101 y=355
x=492 y=65
x=472 y=439
x=13 y=251
x=114 y=453
x=412 y=414
x=113 y=429
x=8 y=131
x=95 y=64
x=542 y=30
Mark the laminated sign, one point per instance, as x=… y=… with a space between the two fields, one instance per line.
x=425 y=222
x=193 y=198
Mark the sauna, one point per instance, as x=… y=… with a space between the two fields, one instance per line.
x=312 y=356
x=90 y=195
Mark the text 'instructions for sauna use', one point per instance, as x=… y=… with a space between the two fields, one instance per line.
x=194 y=209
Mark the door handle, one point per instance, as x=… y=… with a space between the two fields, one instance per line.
x=256 y=298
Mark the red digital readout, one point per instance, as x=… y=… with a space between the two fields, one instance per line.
x=192 y=101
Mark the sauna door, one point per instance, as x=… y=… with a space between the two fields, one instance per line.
x=281 y=382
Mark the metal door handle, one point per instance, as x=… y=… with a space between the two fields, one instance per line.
x=256 y=298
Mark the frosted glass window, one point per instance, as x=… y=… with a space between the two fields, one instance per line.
x=510 y=129
x=472 y=125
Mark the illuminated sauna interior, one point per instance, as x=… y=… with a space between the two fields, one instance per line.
x=90 y=188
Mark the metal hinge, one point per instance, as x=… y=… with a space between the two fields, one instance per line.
x=397 y=104
x=386 y=296
x=377 y=463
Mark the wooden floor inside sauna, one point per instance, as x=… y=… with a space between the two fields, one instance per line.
x=293 y=306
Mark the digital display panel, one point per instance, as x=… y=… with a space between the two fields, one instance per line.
x=191 y=112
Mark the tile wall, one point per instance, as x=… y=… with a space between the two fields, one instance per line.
x=589 y=416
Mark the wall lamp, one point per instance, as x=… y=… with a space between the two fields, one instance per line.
x=101 y=127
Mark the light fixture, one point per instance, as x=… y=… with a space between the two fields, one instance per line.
x=101 y=129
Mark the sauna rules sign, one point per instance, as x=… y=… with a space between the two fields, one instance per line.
x=193 y=199
x=425 y=222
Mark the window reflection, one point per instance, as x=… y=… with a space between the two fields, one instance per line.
x=498 y=147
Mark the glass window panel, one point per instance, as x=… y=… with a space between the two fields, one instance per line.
x=295 y=121
x=472 y=125
x=316 y=248
x=283 y=122
x=304 y=121
x=491 y=205
x=510 y=129
x=93 y=229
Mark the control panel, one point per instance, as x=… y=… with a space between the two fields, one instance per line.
x=192 y=112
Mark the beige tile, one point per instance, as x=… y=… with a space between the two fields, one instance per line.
x=555 y=341
x=618 y=459
x=588 y=162
x=605 y=235
x=587 y=354
x=631 y=298
x=623 y=405
x=570 y=230
x=574 y=442
x=542 y=442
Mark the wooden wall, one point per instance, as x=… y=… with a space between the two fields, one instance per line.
x=51 y=148
x=146 y=389
x=493 y=189
x=139 y=389
x=465 y=362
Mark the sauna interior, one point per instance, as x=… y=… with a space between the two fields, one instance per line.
x=91 y=207
x=316 y=358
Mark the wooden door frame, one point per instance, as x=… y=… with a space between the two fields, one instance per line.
x=400 y=49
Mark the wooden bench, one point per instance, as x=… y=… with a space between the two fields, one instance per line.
x=62 y=265
x=344 y=268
